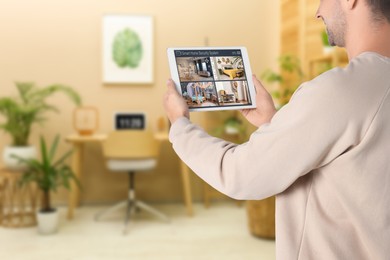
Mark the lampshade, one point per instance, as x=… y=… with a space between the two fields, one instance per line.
x=86 y=120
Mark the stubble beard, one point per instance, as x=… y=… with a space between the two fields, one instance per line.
x=337 y=30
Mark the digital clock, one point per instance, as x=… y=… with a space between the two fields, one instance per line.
x=129 y=121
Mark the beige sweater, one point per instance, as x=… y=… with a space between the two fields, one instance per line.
x=326 y=155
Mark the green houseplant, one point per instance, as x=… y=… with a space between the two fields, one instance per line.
x=231 y=125
x=289 y=78
x=21 y=112
x=48 y=174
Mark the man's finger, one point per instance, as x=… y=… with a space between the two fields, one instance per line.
x=258 y=85
x=171 y=85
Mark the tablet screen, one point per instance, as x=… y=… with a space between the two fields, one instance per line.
x=212 y=78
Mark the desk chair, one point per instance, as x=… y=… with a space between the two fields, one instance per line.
x=131 y=151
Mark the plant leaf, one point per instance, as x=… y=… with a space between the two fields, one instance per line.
x=53 y=148
x=24 y=89
x=44 y=155
x=42 y=94
x=63 y=158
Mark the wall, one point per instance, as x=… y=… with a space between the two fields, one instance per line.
x=48 y=41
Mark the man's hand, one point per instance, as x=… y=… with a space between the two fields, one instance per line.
x=265 y=106
x=174 y=104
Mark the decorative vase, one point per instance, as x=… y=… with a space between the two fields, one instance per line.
x=48 y=222
x=25 y=152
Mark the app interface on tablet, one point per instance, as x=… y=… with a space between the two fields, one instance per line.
x=210 y=78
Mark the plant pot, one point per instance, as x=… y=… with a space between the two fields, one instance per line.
x=327 y=50
x=261 y=217
x=25 y=152
x=48 y=222
x=231 y=130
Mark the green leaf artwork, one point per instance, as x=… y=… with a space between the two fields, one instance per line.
x=127 y=49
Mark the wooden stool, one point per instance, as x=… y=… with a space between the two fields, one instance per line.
x=17 y=203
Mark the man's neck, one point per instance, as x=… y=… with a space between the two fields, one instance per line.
x=366 y=39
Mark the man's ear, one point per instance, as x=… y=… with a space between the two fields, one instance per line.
x=351 y=4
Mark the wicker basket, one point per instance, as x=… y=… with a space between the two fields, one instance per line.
x=261 y=217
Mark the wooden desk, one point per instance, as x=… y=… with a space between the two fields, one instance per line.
x=77 y=159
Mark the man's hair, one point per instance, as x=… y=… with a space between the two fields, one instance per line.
x=380 y=9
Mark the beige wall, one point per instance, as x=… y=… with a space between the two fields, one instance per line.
x=50 y=41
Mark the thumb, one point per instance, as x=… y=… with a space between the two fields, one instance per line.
x=258 y=86
x=171 y=86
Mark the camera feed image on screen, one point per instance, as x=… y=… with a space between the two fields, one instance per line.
x=210 y=78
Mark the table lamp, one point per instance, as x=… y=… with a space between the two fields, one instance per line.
x=86 y=120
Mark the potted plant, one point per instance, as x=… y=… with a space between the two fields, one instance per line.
x=231 y=126
x=289 y=78
x=48 y=174
x=22 y=112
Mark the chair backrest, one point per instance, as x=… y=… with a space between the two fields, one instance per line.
x=130 y=144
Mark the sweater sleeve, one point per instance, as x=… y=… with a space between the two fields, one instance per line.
x=309 y=132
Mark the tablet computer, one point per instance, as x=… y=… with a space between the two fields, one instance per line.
x=213 y=78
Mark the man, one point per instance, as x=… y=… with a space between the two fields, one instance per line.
x=325 y=155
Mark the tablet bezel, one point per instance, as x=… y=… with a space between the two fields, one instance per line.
x=248 y=74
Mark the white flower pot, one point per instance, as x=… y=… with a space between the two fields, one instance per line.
x=327 y=50
x=48 y=222
x=231 y=130
x=26 y=152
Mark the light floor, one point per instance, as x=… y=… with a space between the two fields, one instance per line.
x=219 y=232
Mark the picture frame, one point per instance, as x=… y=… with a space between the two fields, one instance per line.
x=127 y=49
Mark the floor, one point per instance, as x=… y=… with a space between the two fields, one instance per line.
x=219 y=232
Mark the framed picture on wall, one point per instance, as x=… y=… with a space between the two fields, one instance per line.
x=127 y=49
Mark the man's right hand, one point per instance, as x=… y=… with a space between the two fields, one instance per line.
x=174 y=103
x=265 y=109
